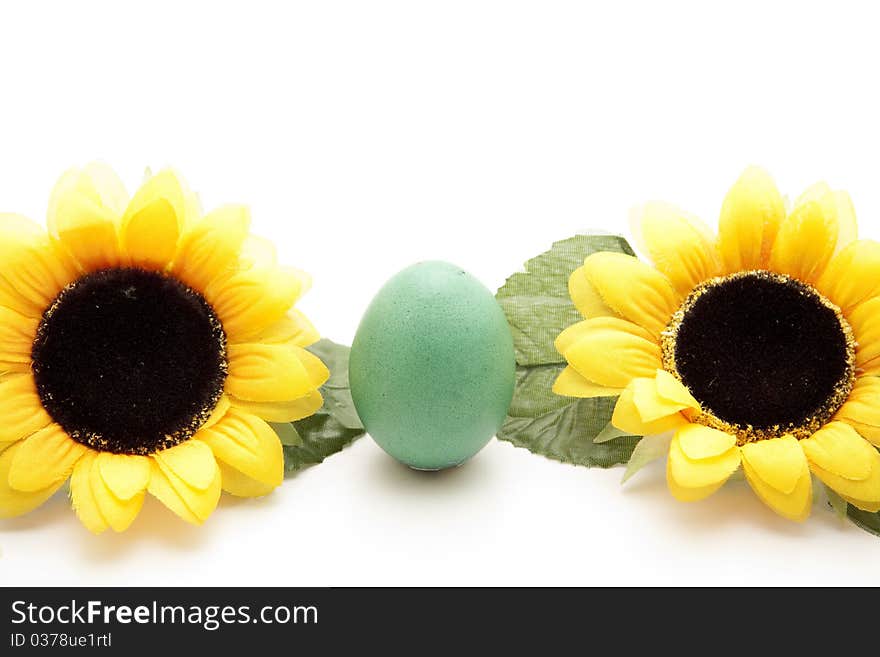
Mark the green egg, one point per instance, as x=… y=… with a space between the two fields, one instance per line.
x=432 y=367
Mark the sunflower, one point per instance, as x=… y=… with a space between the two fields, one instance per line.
x=757 y=348
x=145 y=348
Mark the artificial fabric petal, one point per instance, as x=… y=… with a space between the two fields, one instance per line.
x=862 y=409
x=210 y=248
x=270 y=372
x=14 y=502
x=119 y=513
x=249 y=301
x=865 y=322
x=83 y=215
x=839 y=449
x=750 y=217
x=805 y=242
x=627 y=418
x=612 y=357
x=680 y=246
x=248 y=444
x=586 y=297
x=853 y=275
x=239 y=484
x=32 y=269
x=191 y=461
x=778 y=472
x=282 y=411
x=20 y=408
x=634 y=290
x=571 y=384
x=191 y=504
x=17 y=333
x=838 y=203
x=84 y=502
x=690 y=478
x=125 y=475
x=44 y=459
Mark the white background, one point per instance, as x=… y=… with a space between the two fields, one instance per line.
x=367 y=136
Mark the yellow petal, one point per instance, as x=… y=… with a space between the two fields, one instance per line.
x=634 y=290
x=282 y=411
x=864 y=320
x=571 y=384
x=862 y=409
x=680 y=246
x=750 y=217
x=690 y=479
x=32 y=269
x=257 y=253
x=674 y=390
x=160 y=487
x=683 y=494
x=14 y=502
x=269 y=372
x=840 y=204
x=626 y=416
x=698 y=442
x=84 y=209
x=191 y=504
x=21 y=411
x=570 y=336
x=295 y=328
x=240 y=485
x=191 y=461
x=84 y=503
x=612 y=357
x=246 y=443
x=97 y=182
x=17 y=334
x=650 y=404
x=778 y=462
x=150 y=236
x=118 y=513
x=838 y=449
x=805 y=242
x=126 y=475
x=210 y=248
x=219 y=411
x=44 y=459
x=586 y=297
x=864 y=493
x=872 y=507
x=777 y=471
x=155 y=219
x=853 y=275
x=249 y=301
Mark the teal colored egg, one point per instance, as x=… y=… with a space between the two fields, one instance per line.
x=432 y=366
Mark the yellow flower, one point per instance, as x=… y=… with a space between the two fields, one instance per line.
x=759 y=347
x=145 y=348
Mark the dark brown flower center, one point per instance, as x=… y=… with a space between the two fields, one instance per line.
x=763 y=353
x=129 y=361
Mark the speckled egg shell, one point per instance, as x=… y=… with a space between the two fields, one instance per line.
x=432 y=366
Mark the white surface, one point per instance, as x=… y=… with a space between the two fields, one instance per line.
x=367 y=136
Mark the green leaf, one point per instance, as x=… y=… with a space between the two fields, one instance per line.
x=836 y=502
x=287 y=434
x=336 y=391
x=538 y=308
x=567 y=434
x=310 y=440
x=610 y=432
x=867 y=520
x=536 y=301
x=649 y=448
